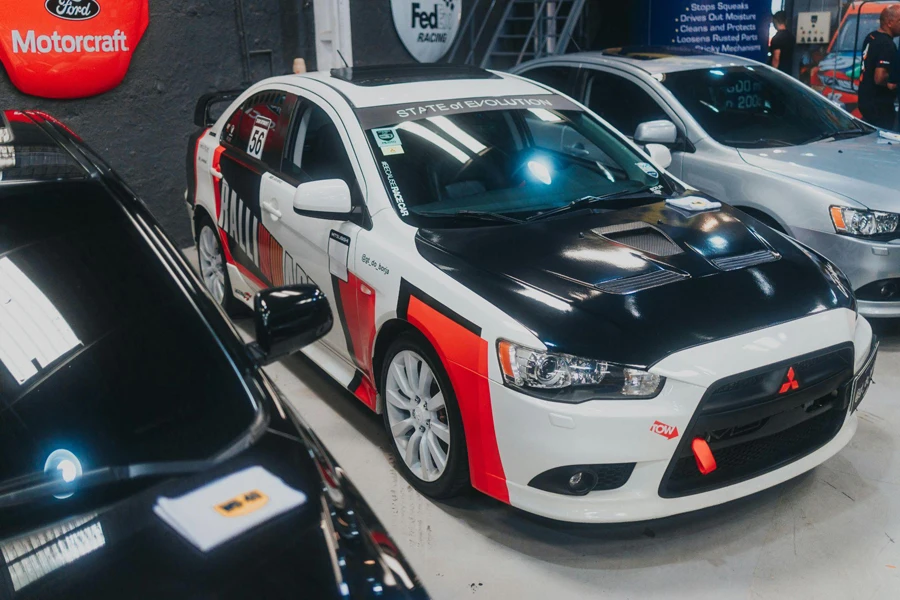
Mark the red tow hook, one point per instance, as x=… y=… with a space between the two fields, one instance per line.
x=706 y=462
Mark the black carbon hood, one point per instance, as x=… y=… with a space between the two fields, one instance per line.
x=587 y=284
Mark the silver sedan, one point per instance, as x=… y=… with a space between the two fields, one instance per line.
x=753 y=137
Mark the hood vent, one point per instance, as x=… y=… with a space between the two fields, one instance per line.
x=733 y=263
x=640 y=236
x=630 y=285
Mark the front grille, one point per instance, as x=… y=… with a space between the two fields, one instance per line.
x=630 y=285
x=749 y=459
x=752 y=428
x=733 y=263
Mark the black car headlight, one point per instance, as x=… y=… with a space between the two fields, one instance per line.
x=863 y=223
x=566 y=378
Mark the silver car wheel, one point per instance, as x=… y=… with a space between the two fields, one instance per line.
x=212 y=270
x=417 y=415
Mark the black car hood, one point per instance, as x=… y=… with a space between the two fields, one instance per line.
x=634 y=285
x=127 y=551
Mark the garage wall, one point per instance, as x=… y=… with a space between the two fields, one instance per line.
x=191 y=47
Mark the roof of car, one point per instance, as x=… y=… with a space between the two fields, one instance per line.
x=388 y=85
x=30 y=149
x=652 y=59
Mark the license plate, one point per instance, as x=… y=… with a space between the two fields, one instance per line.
x=863 y=379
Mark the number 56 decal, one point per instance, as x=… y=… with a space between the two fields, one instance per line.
x=258 y=137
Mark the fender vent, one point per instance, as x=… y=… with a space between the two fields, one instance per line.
x=640 y=236
x=630 y=285
x=733 y=263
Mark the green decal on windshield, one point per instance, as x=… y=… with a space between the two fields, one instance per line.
x=388 y=140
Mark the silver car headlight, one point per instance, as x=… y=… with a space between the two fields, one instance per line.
x=863 y=222
x=566 y=378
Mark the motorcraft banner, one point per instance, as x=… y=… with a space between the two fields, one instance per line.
x=70 y=48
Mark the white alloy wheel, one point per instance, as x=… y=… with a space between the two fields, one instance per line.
x=417 y=415
x=212 y=268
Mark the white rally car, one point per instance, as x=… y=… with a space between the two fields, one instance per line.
x=535 y=306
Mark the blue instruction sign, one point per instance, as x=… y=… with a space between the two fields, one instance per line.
x=728 y=27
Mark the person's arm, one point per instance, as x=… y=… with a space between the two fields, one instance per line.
x=895 y=72
x=776 y=57
x=883 y=60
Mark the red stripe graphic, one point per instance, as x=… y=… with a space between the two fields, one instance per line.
x=465 y=356
x=358 y=306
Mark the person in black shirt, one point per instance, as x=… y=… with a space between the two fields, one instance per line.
x=781 y=48
x=876 y=92
x=895 y=81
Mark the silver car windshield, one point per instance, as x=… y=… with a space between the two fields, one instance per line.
x=753 y=107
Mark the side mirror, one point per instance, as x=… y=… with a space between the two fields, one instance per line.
x=203 y=112
x=656 y=132
x=287 y=319
x=660 y=155
x=324 y=199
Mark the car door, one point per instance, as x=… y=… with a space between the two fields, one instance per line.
x=625 y=103
x=316 y=249
x=252 y=145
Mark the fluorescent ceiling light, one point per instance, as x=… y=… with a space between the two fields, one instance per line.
x=435 y=139
x=451 y=129
x=33 y=333
x=37 y=555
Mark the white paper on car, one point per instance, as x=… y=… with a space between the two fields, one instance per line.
x=224 y=509
x=693 y=203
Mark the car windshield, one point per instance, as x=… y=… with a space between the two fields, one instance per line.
x=104 y=361
x=849 y=33
x=512 y=163
x=754 y=107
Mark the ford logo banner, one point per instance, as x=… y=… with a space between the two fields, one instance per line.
x=73 y=10
x=71 y=48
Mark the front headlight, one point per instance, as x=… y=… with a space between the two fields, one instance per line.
x=863 y=222
x=566 y=378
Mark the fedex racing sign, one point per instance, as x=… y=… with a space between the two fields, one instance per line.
x=427 y=28
x=70 y=48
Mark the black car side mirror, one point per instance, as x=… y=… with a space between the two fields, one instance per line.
x=287 y=319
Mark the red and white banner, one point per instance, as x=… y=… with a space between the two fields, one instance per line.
x=70 y=48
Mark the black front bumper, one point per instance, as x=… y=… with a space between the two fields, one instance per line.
x=753 y=425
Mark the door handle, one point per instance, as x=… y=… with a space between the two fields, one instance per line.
x=272 y=209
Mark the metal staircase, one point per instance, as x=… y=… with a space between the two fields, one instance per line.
x=526 y=29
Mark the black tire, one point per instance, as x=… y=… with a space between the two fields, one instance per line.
x=455 y=478
x=231 y=305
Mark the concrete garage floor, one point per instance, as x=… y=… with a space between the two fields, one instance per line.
x=831 y=533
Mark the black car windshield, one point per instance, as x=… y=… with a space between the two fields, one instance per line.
x=754 y=107
x=104 y=360
x=511 y=163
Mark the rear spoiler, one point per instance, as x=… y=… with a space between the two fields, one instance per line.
x=202 y=117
